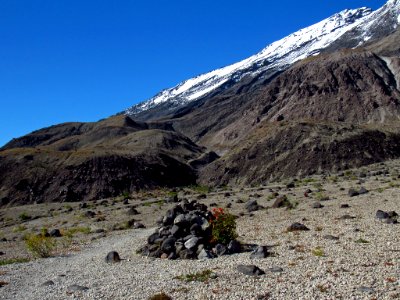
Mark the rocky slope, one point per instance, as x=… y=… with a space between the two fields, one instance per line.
x=78 y=161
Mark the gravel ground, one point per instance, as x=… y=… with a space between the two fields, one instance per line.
x=364 y=263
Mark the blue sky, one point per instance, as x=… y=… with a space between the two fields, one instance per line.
x=69 y=60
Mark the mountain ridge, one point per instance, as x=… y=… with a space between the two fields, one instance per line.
x=275 y=57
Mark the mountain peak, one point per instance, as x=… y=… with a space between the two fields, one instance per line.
x=278 y=56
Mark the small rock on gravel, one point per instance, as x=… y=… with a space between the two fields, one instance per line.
x=250 y=270
x=331 y=237
x=275 y=270
x=76 y=288
x=317 y=205
x=252 y=205
x=260 y=252
x=352 y=192
x=365 y=289
x=113 y=257
x=48 y=283
x=298 y=227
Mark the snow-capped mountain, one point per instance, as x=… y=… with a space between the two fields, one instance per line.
x=349 y=28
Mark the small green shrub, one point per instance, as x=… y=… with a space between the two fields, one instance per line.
x=40 y=245
x=126 y=195
x=44 y=231
x=24 y=216
x=202 y=276
x=223 y=226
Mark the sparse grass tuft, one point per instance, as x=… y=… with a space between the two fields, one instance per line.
x=319 y=228
x=202 y=276
x=319 y=252
x=70 y=232
x=333 y=179
x=320 y=196
x=201 y=189
x=19 y=228
x=362 y=241
x=13 y=261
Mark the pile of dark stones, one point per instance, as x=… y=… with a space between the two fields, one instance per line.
x=185 y=232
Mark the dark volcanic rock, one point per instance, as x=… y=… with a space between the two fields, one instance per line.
x=282 y=201
x=389 y=217
x=352 y=192
x=252 y=205
x=132 y=211
x=234 y=247
x=168 y=245
x=298 y=227
x=317 y=205
x=250 y=270
x=55 y=233
x=220 y=249
x=260 y=252
x=113 y=257
x=380 y=214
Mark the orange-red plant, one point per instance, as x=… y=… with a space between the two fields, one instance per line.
x=223 y=226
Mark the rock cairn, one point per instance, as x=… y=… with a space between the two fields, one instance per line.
x=185 y=232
